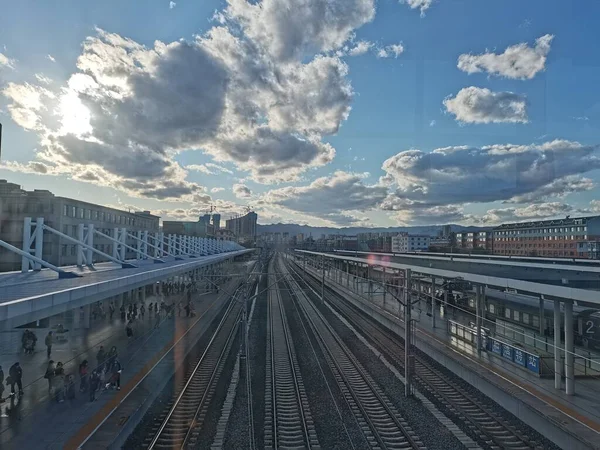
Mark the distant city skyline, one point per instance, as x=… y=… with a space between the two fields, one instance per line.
x=374 y=114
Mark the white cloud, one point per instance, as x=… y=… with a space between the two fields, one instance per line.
x=518 y=61
x=582 y=118
x=531 y=212
x=291 y=29
x=432 y=123
x=415 y=214
x=43 y=78
x=172 y=5
x=241 y=191
x=50 y=58
x=129 y=109
x=360 y=48
x=463 y=174
x=199 y=168
x=423 y=5
x=29 y=105
x=595 y=206
x=5 y=61
x=558 y=188
x=218 y=168
x=209 y=168
x=388 y=51
x=217 y=189
x=337 y=199
x=480 y=105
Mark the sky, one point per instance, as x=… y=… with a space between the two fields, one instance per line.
x=320 y=112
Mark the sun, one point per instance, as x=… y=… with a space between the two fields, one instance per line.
x=74 y=115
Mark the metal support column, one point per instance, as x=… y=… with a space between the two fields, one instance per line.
x=478 y=316
x=323 y=279
x=90 y=242
x=407 y=335
x=348 y=273
x=39 y=242
x=80 y=235
x=384 y=287
x=76 y=318
x=433 y=299
x=87 y=309
x=542 y=318
x=446 y=304
x=304 y=267
x=557 y=352
x=369 y=282
x=569 y=350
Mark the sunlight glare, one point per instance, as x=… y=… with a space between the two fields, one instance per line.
x=74 y=115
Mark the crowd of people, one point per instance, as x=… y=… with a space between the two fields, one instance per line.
x=107 y=372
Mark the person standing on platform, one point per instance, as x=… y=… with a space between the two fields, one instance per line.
x=129 y=330
x=94 y=384
x=142 y=311
x=179 y=308
x=70 y=387
x=49 y=341
x=150 y=309
x=111 y=309
x=58 y=382
x=83 y=375
x=115 y=379
x=16 y=377
x=49 y=375
x=1 y=385
x=112 y=355
x=101 y=358
x=122 y=309
x=157 y=320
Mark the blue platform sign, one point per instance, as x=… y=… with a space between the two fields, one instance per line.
x=507 y=351
x=520 y=357
x=533 y=363
x=496 y=346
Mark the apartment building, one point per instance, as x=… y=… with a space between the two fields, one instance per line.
x=244 y=226
x=405 y=242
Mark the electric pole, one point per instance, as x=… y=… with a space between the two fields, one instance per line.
x=407 y=335
x=323 y=279
x=245 y=321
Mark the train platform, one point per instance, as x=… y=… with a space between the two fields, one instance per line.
x=38 y=422
x=577 y=415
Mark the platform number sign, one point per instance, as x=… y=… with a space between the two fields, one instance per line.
x=589 y=327
x=533 y=363
x=496 y=347
x=507 y=352
x=519 y=357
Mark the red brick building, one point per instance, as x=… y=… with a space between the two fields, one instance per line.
x=566 y=238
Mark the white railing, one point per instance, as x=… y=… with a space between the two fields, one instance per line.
x=152 y=246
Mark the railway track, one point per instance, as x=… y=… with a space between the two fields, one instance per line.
x=288 y=422
x=482 y=418
x=180 y=424
x=380 y=422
